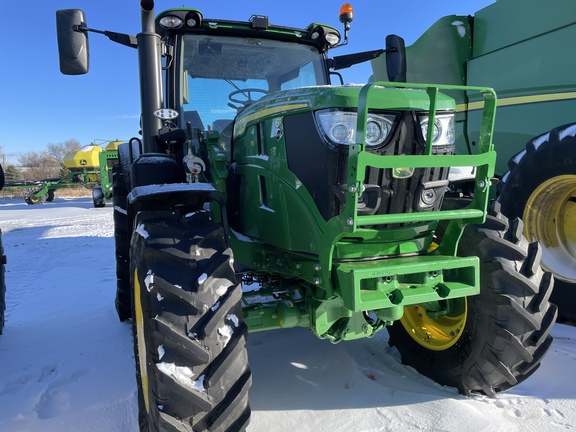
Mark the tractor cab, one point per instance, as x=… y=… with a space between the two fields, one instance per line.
x=221 y=75
x=216 y=69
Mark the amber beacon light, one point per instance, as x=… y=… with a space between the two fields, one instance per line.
x=346 y=13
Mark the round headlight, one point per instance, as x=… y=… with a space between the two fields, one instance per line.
x=340 y=132
x=443 y=133
x=193 y=19
x=377 y=129
x=373 y=132
x=339 y=127
x=437 y=130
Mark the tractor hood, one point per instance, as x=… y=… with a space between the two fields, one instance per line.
x=346 y=97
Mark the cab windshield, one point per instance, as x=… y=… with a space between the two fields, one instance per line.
x=217 y=70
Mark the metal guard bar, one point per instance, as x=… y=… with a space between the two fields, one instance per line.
x=349 y=222
x=359 y=159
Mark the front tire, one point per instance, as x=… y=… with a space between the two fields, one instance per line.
x=496 y=339
x=540 y=188
x=189 y=336
x=123 y=300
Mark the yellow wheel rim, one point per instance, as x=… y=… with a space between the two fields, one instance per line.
x=436 y=334
x=139 y=321
x=550 y=218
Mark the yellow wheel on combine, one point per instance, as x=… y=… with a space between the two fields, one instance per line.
x=550 y=219
x=540 y=188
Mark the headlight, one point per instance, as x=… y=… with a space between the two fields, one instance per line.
x=339 y=127
x=332 y=39
x=443 y=129
x=171 y=22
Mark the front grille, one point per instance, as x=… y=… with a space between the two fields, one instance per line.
x=323 y=170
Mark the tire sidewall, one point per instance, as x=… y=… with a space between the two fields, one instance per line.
x=544 y=159
x=507 y=326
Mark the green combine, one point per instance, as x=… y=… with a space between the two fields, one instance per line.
x=519 y=48
x=262 y=197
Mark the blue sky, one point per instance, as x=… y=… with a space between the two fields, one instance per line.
x=40 y=106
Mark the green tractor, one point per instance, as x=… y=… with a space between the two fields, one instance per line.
x=261 y=197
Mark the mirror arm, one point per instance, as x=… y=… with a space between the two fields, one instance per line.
x=345 y=61
x=121 y=38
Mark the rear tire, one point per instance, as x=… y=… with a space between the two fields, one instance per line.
x=123 y=301
x=189 y=336
x=540 y=188
x=505 y=330
x=50 y=196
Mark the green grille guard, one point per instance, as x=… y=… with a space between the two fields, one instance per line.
x=353 y=276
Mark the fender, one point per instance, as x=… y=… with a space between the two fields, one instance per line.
x=189 y=197
x=156 y=181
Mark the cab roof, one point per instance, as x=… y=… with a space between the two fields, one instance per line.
x=191 y=20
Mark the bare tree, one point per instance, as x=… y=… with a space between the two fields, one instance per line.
x=59 y=150
x=39 y=166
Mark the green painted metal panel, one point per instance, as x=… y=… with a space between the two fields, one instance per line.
x=506 y=22
x=520 y=48
x=534 y=78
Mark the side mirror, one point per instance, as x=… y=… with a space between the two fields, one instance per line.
x=395 y=58
x=72 y=41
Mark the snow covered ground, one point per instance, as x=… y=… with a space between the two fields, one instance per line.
x=66 y=362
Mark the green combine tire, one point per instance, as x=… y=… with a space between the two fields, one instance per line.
x=504 y=331
x=540 y=188
x=123 y=300
x=189 y=335
x=50 y=196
